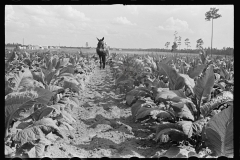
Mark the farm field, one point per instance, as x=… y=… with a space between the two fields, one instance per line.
x=62 y=105
x=104 y=127
x=119 y=81
x=93 y=51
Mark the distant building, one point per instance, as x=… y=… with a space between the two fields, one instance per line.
x=29 y=47
x=35 y=47
x=22 y=47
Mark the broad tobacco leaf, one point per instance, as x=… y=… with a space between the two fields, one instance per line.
x=177 y=81
x=71 y=85
x=46 y=129
x=204 y=84
x=167 y=60
x=182 y=111
x=224 y=73
x=27 y=73
x=67 y=69
x=178 y=152
x=30 y=83
x=196 y=71
x=147 y=70
x=154 y=112
x=8 y=89
x=44 y=95
x=59 y=106
x=53 y=88
x=28 y=135
x=217 y=77
x=54 y=61
x=145 y=110
x=23 y=125
x=192 y=128
x=69 y=103
x=171 y=73
x=63 y=62
x=184 y=80
x=218 y=134
x=70 y=79
x=49 y=75
x=215 y=102
x=122 y=77
x=151 y=63
x=127 y=82
x=163 y=95
x=132 y=95
x=18 y=78
x=203 y=55
x=8 y=150
x=39 y=76
x=44 y=112
x=27 y=61
x=159 y=84
x=172 y=130
x=14 y=102
x=198 y=126
x=136 y=106
x=186 y=127
x=48 y=125
x=39 y=149
x=155 y=83
x=12 y=56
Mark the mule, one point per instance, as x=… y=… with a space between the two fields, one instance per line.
x=102 y=51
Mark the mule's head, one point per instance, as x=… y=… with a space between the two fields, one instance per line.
x=100 y=43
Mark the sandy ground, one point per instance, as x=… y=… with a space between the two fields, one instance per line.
x=104 y=126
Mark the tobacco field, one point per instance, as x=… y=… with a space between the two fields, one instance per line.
x=62 y=105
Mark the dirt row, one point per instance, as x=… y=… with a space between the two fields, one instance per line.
x=104 y=126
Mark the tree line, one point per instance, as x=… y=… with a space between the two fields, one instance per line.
x=209 y=16
x=225 y=51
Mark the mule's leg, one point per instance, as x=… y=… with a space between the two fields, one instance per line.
x=104 y=60
x=100 y=57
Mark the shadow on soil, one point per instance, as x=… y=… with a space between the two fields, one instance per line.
x=124 y=136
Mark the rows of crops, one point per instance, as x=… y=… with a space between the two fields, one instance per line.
x=187 y=101
x=40 y=90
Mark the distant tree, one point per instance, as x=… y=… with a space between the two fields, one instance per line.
x=167 y=44
x=175 y=36
x=174 y=46
x=187 y=42
x=179 y=41
x=199 y=43
x=210 y=15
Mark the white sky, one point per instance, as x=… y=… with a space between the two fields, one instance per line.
x=138 y=26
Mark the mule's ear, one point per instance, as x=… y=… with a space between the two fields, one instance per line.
x=97 y=39
x=102 y=38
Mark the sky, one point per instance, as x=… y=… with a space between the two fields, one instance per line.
x=122 y=26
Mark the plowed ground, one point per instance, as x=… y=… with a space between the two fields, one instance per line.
x=104 y=126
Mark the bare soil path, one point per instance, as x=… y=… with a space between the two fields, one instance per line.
x=104 y=126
